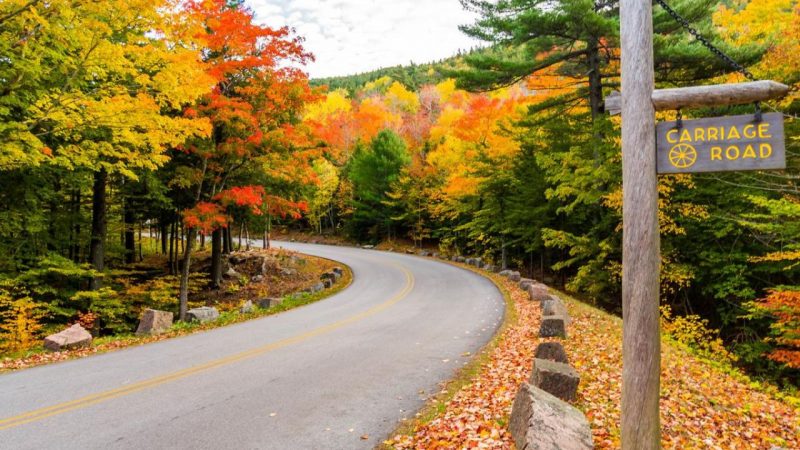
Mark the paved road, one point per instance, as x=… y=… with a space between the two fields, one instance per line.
x=317 y=377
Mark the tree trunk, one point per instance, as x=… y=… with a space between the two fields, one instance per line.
x=171 y=247
x=216 y=258
x=202 y=242
x=503 y=255
x=225 y=242
x=128 y=220
x=268 y=233
x=178 y=242
x=530 y=257
x=183 y=295
x=177 y=236
x=541 y=265
x=76 y=228
x=96 y=246
x=53 y=242
x=595 y=95
x=185 y=267
x=162 y=226
x=247 y=237
x=241 y=231
x=141 y=256
x=595 y=79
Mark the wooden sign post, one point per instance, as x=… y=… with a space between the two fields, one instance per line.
x=641 y=343
x=710 y=95
x=715 y=144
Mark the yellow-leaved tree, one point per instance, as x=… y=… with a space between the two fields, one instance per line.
x=319 y=202
x=774 y=24
x=97 y=87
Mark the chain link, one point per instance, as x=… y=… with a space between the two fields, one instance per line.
x=705 y=42
x=719 y=54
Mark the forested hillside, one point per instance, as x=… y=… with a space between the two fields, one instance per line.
x=112 y=134
x=412 y=76
x=529 y=173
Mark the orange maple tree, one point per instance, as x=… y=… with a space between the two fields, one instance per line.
x=205 y=217
x=252 y=107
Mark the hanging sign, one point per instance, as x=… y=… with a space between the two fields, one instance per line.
x=721 y=144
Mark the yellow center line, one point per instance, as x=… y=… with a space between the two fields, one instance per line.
x=99 y=397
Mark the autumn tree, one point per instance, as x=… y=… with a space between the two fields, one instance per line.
x=321 y=197
x=96 y=90
x=372 y=171
x=256 y=97
x=332 y=122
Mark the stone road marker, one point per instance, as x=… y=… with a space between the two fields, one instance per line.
x=540 y=421
x=553 y=326
x=552 y=351
x=202 y=314
x=556 y=378
x=154 y=322
x=73 y=337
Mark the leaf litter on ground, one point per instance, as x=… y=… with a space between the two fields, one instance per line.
x=703 y=405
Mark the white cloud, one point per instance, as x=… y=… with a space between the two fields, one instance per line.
x=352 y=36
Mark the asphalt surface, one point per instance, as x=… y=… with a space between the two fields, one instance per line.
x=337 y=374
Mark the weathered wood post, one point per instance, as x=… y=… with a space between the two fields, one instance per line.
x=641 y=345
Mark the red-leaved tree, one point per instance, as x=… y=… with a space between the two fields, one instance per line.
x=257 y=96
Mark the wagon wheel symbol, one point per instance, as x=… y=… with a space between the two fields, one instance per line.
x=682 y=156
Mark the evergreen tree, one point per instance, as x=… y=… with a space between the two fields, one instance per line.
x=580 y=39
x=373 y=170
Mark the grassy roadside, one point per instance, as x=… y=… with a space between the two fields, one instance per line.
x=38 y=355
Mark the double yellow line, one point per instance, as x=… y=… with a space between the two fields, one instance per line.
x=100 y=397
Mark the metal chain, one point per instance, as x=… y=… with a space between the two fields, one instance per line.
x=719 y=53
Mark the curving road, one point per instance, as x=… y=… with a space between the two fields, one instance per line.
x=337 y=374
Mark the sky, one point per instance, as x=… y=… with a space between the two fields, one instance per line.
x=353 y=36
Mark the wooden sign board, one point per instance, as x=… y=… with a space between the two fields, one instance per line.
x=721 y=144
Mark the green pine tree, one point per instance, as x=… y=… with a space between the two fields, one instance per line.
x=373 y=170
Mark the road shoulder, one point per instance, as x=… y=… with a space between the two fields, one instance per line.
x=108 y=344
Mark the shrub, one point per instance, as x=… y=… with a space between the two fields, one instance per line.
x=54 y=282
x=158 y=293
x=109 y=311
x=20 y=325
x=782 y=308
x=693 y=332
